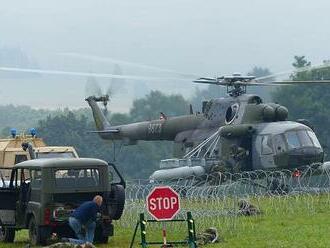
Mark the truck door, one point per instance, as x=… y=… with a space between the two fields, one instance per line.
x=8 y=196
x=23 y=194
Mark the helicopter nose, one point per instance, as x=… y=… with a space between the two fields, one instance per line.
x=305 y=156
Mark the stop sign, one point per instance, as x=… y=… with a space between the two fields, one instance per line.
x=163 y=203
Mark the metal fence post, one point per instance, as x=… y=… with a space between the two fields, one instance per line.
x=191 y=231
x=134 y=234
x=143 y=223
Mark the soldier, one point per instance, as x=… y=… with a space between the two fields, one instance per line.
x=209 y=236
x=69 y=245
x=247 y=208
x=238 y=157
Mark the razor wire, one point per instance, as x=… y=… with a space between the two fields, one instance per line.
x=214 y=199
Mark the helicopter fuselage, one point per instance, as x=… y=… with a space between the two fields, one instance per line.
x=261 y=130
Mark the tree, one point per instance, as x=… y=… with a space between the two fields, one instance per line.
x=151 y=105
x=300 y=61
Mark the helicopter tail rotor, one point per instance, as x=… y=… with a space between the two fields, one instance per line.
x=92 y=87
x=94 y=91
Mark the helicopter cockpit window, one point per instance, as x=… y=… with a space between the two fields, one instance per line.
x=314 y=139
x=266 y=145
x=293 y=140
x=301 y=138
x=231 y=113
x=305 y=140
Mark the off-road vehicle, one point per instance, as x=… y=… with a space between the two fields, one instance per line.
x=41 y=194
x=11 y=151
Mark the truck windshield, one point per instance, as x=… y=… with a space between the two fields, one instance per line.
x=73 y=178
x=55 y=155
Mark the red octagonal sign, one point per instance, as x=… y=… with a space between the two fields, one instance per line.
x=163 y=203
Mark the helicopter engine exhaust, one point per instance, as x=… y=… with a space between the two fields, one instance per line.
x=281 y=112
x=268 y=112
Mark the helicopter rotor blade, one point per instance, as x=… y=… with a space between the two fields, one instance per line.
x=206 y=81
x=282 y=83
x=116 y=85
x=302 y=82
x=92 y=88
x=110 y=91
x=122 y=62
x=87 y=74
x=302 y=69
x=213 y=81
x=264 y=84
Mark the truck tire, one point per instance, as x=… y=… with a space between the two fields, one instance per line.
x=116 y=202
x=7 y=234
x=38 y=235
x=100 y=237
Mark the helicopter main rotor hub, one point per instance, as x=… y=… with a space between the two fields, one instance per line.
x=236 y=83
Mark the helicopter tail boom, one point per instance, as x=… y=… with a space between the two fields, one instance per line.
x=101 y=122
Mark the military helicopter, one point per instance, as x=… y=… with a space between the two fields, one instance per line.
x=236 y=132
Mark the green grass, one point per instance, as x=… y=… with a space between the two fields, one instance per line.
x=301 y=221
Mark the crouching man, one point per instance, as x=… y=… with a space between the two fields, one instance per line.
x=247 y=209
x=83 y=221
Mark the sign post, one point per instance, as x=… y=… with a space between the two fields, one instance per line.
x=163 y=204
x=164 y=235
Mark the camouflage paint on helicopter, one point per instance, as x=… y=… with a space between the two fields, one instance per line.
x=259 y=130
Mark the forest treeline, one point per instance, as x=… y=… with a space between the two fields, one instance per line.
x=70 y=127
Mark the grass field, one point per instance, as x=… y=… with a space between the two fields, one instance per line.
x=302 y=221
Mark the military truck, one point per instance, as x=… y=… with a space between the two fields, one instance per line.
x=41 y=194
x=11 y=151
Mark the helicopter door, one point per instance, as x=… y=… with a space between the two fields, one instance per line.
x=265 y=151
x=279 y=144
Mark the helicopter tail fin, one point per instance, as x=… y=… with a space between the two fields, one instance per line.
x=101 y=121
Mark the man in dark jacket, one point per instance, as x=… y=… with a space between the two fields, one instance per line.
x=83 y=220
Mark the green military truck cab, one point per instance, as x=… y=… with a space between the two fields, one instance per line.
x=41 y=194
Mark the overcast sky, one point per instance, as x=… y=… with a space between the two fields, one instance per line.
x=206 y=38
